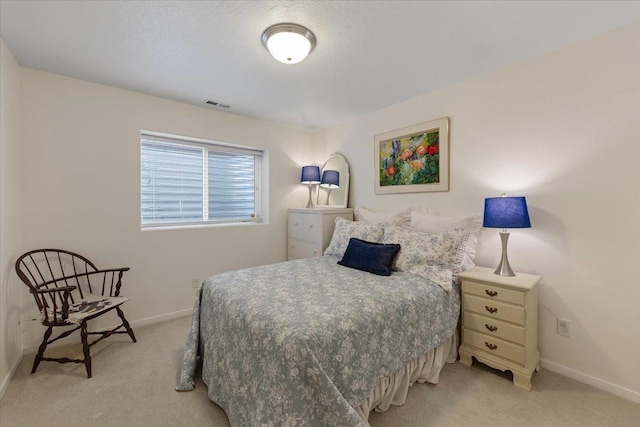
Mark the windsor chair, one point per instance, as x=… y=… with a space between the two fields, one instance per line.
x=70 y=290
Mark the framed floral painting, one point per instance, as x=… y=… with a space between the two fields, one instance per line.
x=413 y=159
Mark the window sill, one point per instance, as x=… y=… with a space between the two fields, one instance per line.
x=203 y=225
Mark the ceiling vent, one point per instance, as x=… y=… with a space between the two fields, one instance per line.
x=217 y=104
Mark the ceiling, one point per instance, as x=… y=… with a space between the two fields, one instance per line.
x=370 y=55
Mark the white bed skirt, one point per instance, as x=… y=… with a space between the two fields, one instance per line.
x=426 y=368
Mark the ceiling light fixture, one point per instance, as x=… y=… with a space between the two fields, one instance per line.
x=288 y=43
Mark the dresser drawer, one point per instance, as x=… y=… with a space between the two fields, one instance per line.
x=313 y=228
x=493 y=327
x=494 y=309
x=493 y=292
x=302 y=249
x=494 y=345
x=296 y=225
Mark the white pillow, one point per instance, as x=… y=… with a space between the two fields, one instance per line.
x=399 y=217
x=470 y=223
x=345 y=230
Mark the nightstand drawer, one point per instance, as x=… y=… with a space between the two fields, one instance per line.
x=493 y=327
x=494 y=309
x=494 y=346
x=493 y=292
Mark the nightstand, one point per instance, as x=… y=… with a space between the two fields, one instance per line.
x=310 y=230
x=500 y=322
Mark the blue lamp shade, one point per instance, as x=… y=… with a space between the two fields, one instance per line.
x=310 y=175
x=330 y=179
x=506 y=212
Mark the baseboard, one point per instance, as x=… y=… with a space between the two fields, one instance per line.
x=73 y=338
x=161 y=318
x=634 y=396
x=6 y=380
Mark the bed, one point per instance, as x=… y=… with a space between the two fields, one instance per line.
x=313 y=342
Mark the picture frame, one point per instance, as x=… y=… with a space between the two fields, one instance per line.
x=413 y=159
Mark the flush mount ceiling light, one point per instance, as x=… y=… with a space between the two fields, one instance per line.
x=288 y=43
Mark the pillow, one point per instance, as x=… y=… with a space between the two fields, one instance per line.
x=440 y=276
x=372 y=257
x=400 y=217
x=427 y=248
x=470 y=223
x=345 y=230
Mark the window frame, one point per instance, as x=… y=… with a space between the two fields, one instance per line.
x=261 y=190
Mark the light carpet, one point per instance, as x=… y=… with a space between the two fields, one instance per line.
x=132 y=385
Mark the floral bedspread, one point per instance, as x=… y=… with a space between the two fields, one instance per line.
x=303 y=342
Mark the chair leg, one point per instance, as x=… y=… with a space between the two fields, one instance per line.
x=126 y=324
x=41 y=349
x=85 y=348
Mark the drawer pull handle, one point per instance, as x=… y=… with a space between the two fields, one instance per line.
x=491 y=309
x=491 y=346
x=491 y=327
x=491 y=293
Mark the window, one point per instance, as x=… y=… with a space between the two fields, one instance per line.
x=189 y=181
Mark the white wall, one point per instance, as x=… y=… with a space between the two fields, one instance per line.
x=562 y=129
x=10 y=222
x=81 y=185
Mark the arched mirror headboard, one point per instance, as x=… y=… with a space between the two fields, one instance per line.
x=335 y=197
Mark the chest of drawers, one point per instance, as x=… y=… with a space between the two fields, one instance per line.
x=500 y=322
x=310 y=230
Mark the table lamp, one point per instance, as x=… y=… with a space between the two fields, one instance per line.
x=505 y=212
x=330 y=180
x=310 y=176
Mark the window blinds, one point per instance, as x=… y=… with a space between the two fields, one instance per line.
x=185 y=182
x=232 y=186
x=171 y=189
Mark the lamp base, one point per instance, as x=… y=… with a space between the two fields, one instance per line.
x=504 y=269
x=310 y=204
x=328 y=195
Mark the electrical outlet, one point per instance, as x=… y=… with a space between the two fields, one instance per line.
x=564 y=327
x=195 y=282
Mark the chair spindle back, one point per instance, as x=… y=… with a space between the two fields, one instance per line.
x=58 y=271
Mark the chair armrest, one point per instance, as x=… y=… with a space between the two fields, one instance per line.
x=60 y=289
x=111 y=280
x=49 y=307
x=109 y=270
x=81 y=274
x=109 y=286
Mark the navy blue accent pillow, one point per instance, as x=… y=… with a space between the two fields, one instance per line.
x=375 y=258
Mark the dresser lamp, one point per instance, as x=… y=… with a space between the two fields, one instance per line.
x=505 y=212
x=330 y=180
x=310 y=176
